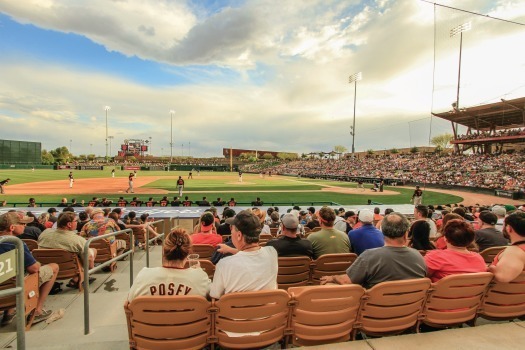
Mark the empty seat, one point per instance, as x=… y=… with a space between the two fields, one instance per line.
x=180 y=322
x=324 y=314
x=392 y=307
x=205 y=251
x=455 y=299
x=105 y=252
x=331 y=264
x=31 y=244
x=293 y=271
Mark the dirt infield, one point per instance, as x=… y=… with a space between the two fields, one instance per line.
x=118 y=185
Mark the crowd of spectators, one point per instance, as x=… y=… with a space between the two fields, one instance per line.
x=488 y=134
x=503 y=171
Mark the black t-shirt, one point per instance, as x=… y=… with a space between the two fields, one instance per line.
x=287 y=246
x=224 y=229
x=490 y=237
x=175 y=203
x=30 y=232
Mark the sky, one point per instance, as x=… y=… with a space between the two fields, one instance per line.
x=263 y=74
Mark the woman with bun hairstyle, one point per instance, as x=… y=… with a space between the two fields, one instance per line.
x=173 y=277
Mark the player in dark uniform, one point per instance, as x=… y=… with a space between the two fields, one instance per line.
x=2 y=184
x=71 y=180
x=130 y=182
x=417 y=197
x=180 y=185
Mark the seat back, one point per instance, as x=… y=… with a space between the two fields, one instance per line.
x=139 y=234
x=293 y=271
x=490 y=253
x=180 y=322
x=455 y=299
x=504 y=301
x=125 y=237
x=68 y=263
x=105 y=251
x=205 y=251
x=331 y=264
x=261 y=317
x=206 y=265
x=31 y=295
x=264 y=238
x=324 y=314
x=274 y=230
x=31 y=244
x=392 y=307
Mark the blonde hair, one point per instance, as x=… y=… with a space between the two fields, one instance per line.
x=261 y=215
x=43 y=218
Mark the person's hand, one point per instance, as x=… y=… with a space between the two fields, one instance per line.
x=327 y=279
x=225 y=249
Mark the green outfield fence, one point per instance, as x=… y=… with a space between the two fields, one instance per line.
x=239 y=204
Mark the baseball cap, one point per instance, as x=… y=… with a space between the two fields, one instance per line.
x=14 y=218
x=366 y=215
x=248 y=223
x=499 y=210
x=488 y=217
x=52 y=210
x=290 y=221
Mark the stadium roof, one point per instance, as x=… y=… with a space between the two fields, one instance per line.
x=501 y=115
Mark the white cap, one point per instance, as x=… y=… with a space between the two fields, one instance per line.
x=366 y=215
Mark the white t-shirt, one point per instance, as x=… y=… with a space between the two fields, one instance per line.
x=433 y=228
x=163 y=281
x=266 y=229
x=245 y=272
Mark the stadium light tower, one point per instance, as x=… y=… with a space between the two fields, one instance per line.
x=453 y=32
x=353 y=79
x=107 y=108
x=172 y=112
x=110 y=138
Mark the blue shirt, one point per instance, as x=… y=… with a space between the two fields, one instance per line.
x=28 y=257
x=366 y=237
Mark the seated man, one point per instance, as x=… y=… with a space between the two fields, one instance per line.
x=488 y=236
x=289 y=243
x=12 y=224
x=366 y=236
x=510 y=263
x=206 y=233
x=328 y=240
x=392 y=262
x=243 y=271
x=65 y=237
x=100 y=225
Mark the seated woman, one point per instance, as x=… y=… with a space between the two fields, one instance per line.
x=440 y=241
x=265 y=229
x=456 y=258
x=419 y=236
x=206 y=234
x=173 y=278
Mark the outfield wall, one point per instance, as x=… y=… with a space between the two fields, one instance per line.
x=20 y=152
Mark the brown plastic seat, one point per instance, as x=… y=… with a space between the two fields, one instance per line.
x=139 y=234
x=392 y=307
x=125 y=237
x=31 y=295
x=206 y=265
x=225 y=238
x=455 y=299
x=293 y=271
x=315 y=229
x=504 y=301
x=490 y=253
x=105 y=252
x=264 y=238
x=31 y=244
x=274 y=230
x=205 y=251
x=307 y=229
x=181 y=322
x=263 y=314
x=324 y=314
x=68 y=263
x=331 y=264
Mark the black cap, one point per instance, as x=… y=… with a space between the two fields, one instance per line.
x=52 y=210
x=488 y=217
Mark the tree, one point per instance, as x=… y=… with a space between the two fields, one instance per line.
x=394 y=151
x=61 y=154
x=414 y=150
x=442 y=141
x=340 y=149
x=267 y=156
x=47 y=158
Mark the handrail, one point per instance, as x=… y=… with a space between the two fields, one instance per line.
x=87 y=271
x=18 y=290
x=162 y=235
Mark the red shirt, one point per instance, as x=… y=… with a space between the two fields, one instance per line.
x=206 y=238
x=442 y=263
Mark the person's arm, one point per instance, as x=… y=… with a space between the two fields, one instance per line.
x=33 y=268
x=337 y=279
x=510 y=265
x=226 y=249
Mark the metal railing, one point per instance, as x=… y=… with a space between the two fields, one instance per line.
x=87 y=271
x=18 y=290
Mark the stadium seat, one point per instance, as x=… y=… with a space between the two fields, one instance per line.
x=392 y=307
x=490 y=253
x=504 y=301
x=251 y=319
x=181 y=322
x=293 y=271
x=125 y=237
x=205 y=251
x=31 y=295
x=105 y=252
x=206 y=265
x=31 y=244
x=274 y=230
x=139 y=234
x=455 y=299
x=324 y=314
x=331 y=264
x=68 y=263
x=264 y=238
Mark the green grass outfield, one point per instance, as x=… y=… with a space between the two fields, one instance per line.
x=224 y=185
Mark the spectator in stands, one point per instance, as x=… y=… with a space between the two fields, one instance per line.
x=12 y=224
x=65 y=237
x=340 y=223
x=421 y=213
x=227 y=216
x=261 y=214
x=487 y=236
x=289 y=242
x=440 y=242
x=456 y=258
x=100 y=225
x=30 y=230
x=367 y=236
x=242 y=271
x=328 y=240
x=418 y=236
x=52 y=215
x=500 y=212
x=510 y=263
x=35 y=222
x=377 y=216
x=44 y=220
x=392 y=262
x=173 y=277
x=83 y=218
x=350 y=219
x=206 y=233
x=275 y=222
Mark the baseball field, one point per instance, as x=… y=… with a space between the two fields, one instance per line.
x=49 y=186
